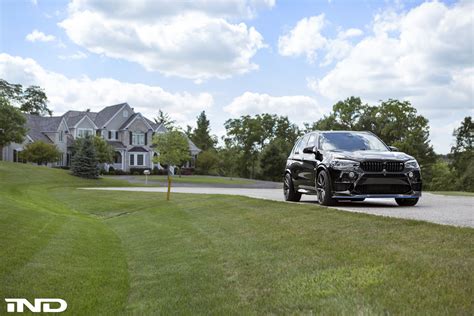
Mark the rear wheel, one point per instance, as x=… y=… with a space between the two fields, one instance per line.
x=289 y=190
x=406 y=202
x=323 y=189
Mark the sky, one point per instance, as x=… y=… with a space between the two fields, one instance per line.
x=238 y=57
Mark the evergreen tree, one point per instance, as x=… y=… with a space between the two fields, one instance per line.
x=201 y=134
x=84 y=160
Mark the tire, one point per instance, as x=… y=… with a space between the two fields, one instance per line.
x=323 y=189
x=406 y=202
x=289 y=190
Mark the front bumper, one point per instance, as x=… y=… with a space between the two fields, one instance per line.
x=376 y=184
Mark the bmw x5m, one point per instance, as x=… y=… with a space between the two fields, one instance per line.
x=347 y=165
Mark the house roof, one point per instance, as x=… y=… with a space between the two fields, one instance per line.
x=106 y=114
x=38 y=126
x=116 y=144
x=192 y=147
x=73 y=117
x=138 y=149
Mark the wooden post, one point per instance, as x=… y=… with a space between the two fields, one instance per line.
x=169 y=188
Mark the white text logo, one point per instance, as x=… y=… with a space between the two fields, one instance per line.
x=40 y=305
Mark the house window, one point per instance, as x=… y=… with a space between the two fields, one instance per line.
x=61 y=136
x=125 y=113
x=137 y=160
x=138 y=139
x=113 y=135
x=83 y=132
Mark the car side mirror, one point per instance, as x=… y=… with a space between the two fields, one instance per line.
x=393 y=148
x=309 y=150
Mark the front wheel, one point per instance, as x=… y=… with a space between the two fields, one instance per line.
x=289 y=190
x=406 y=202
x=323 y=189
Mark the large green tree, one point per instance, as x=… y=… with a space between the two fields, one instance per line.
x=250 y=135
x=40 y=153
x=105 y=152
x=12 y=124
x=32 y=100
x=201 y=135
x=84 y=160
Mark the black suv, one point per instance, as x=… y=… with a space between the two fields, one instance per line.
x=346 y=165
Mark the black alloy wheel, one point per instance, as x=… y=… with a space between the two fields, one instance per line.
x=323 y=189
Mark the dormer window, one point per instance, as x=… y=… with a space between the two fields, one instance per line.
x=125 y=113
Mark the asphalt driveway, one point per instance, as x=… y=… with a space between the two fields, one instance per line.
x=440 y=209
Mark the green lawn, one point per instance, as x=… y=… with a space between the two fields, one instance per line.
x=193 y=179
x=134 y=253
x=453 y=193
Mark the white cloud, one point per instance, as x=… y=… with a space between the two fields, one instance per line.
x=298 y=108
x=424 y=55
x=306 y=39
x=37 y=36
x=81 y=93
x=187 y=39
x=75 y=56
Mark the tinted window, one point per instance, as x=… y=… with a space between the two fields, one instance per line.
x=302 y=145
x=312 y=140
x=350 y=142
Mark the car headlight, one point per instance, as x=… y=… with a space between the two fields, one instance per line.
x=413 y=164
x=341 y=164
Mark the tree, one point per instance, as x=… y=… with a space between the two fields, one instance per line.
x=165 y=119
x=273 y=159
x=40 y=153
x=32 y=100
x=173 y=150
x=12 y=124
x=250 y=135
x=201 y=134
x=207 y=161
x=462 y=155
x=105 y=153
x=84 y=159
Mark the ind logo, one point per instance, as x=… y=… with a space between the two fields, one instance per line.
x=40 y=305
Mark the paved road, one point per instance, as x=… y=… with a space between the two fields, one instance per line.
x=446 y=210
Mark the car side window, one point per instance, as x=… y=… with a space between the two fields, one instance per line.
x=302 y=145
x=295 y=148
x=312 y=140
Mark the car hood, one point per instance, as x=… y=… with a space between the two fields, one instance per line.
x=371 y=155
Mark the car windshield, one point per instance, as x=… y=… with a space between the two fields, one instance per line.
x=350 y=142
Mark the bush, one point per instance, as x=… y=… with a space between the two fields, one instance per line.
x=186 y=171
x=159 y=172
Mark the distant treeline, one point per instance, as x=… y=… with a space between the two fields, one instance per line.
x=258 y=146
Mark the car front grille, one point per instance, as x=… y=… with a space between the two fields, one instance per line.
x=379 y=166
x=383 y=189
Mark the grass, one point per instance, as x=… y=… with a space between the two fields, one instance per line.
x=193 y=179
x=453 y=193
x=134 y=253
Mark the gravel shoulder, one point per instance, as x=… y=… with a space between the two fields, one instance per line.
x=445 y=210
